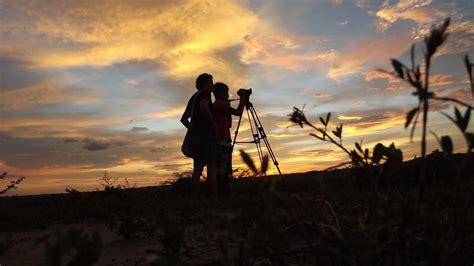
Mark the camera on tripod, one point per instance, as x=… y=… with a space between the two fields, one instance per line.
x=244 y=93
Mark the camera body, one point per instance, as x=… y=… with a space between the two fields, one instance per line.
x=244 y=92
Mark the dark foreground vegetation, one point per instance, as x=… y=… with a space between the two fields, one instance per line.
x=315 y=218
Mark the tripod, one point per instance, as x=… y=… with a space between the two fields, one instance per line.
x=258 y=134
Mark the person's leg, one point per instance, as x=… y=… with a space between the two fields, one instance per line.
x=212 y=166
x=221 y=171
x=212 y=180
x=228 y=173
x=197 y=172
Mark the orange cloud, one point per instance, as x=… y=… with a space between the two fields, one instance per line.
x=374 y=74
x=441 y=80
x=44 y=93
x=184 y=37
x=416 y=10
x=319 y=95
x=352 y=117
x=363 y=52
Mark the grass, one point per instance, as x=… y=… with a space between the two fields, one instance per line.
x=313 y=218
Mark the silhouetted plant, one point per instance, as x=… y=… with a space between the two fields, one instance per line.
x=127 y=184
x=241 y=173
x=251 y=165
x=71 y=190
x=13 y=184
x=73 y=247
x=420 y=82
x=462 y=122
x=107 y=182
x=359 y=157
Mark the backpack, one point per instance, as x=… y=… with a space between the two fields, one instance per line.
x=186 y=147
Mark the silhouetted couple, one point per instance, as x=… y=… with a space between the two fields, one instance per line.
x=209 y=125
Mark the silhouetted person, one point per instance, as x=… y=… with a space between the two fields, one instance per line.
x=222 y=112
x=203 y=133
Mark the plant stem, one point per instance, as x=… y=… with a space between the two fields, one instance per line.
x=423 y=136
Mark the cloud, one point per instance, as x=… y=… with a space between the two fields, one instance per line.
x=344 y=117
x=364 y=53
x=45 y=92
x=304 y=91
x=95 y=145
x=140 y=129
x=319 y=95
x=419 y=11
x=183 y=36
x=131 y=82
x=441 y=80
x=374 y=74
x=265 y=51
x=70 y=140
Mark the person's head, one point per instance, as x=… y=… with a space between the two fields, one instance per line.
x=204 y=82
x=221 y=91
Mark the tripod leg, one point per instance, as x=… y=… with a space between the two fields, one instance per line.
x=255 y=134
x=236 y=131
x=263 y=135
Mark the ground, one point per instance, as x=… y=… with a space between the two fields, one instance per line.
x=340 y=217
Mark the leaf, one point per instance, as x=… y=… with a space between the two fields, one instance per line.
x=395 y=158
x=297 y=117
x=355 y=158
x=412 y=132
x=378 y=153
x=328 y=116
x=322 y=121
x=468 y=65
x=447 y=144
x=436 y=38
x=359 y=148
x=470 y=139
x=410 y=116
x=398 y=67
x=459 y=117
x=248 y=161
x=316 y=136
x=338 y=131
x=467 y=117
x=264 y=166
x=412 y=55
x=449 y=117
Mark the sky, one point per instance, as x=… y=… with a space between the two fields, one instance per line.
x=94 y=86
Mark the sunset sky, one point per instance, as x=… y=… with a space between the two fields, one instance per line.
x=88 y=86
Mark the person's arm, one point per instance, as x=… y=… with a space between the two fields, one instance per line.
x=240 y=108
x=204 y=108
x=186 y=116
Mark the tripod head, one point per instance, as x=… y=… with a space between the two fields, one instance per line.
x=244 y=92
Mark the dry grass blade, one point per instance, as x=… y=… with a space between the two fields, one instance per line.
x=248 y=161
